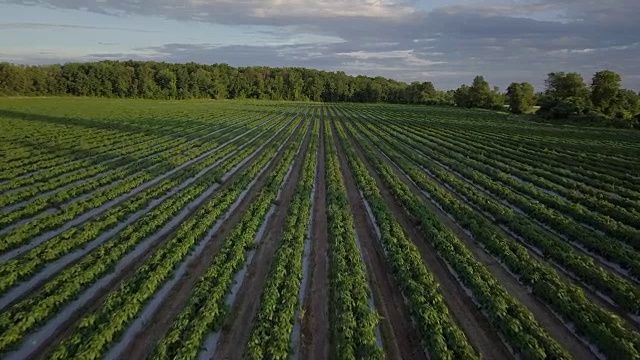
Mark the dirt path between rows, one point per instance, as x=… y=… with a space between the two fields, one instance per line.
x=315 y=327
x=401 y=340
x=145 y=341
x=541 y=312
x=236 y=332
x=465 y=313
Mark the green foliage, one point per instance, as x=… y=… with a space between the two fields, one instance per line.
x=520 y=97
x=353 y=321
x=478 y=95
x=601 y=327
x=73 y=280
x=153 y=80
x=605 y=88
x=206 y=308
x=273 y=327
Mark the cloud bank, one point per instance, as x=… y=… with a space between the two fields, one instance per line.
x=504 y=40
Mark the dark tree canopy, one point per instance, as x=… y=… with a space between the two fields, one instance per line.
x=520 y=97
x=157 y=80
x=566 y=95
x=478 y=95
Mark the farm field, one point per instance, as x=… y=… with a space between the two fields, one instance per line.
x=140 y=229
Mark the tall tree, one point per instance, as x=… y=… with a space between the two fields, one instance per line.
x=461 y=96
x=565 y=85
x=520 y=97
x=605 y=87
x=167 y=81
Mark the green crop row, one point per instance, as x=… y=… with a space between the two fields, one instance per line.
x=271 y=335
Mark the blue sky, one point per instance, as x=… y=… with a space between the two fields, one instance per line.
x=447 y=42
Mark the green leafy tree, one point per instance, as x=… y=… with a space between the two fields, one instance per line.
x=566 y=95
x=167 y=81
x=462 y=97
x=605 y=89
x=520 y=97
x=565 y=85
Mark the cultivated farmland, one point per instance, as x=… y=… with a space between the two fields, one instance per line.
x=134 y=229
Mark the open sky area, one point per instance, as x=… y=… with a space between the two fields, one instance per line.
x=446 y=42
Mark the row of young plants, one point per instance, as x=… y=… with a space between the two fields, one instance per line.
x=440 y=336
x=619 y=209
x=463 y=163
x=87 y=144
x=100 y=329
x=618 y=221
x=25 y=316
x=29 y=263
x=106 y=161
x=86 y=157
x=605 y=330
x=613 y=165
x=532 y=143
x=53 y=158
x=511 y=319
x=206 y=309
x=23 y=234
x=353 y=322
x=102 y=158
x=157 y=163
x=592 y=141
x=540 y=166
x=273 y=325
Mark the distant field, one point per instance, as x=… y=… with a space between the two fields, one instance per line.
x=133 y=229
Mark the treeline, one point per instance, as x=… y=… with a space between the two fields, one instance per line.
x=566 y=97
x=157 y=80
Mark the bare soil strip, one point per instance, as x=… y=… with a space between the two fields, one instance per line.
x=236 y=331
x=400 y=339
x=545 y=317
x=315 y=327
x=464 y=311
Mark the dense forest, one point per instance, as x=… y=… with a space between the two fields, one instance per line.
x=567 y=96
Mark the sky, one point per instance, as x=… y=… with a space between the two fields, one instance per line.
x=446 y=42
